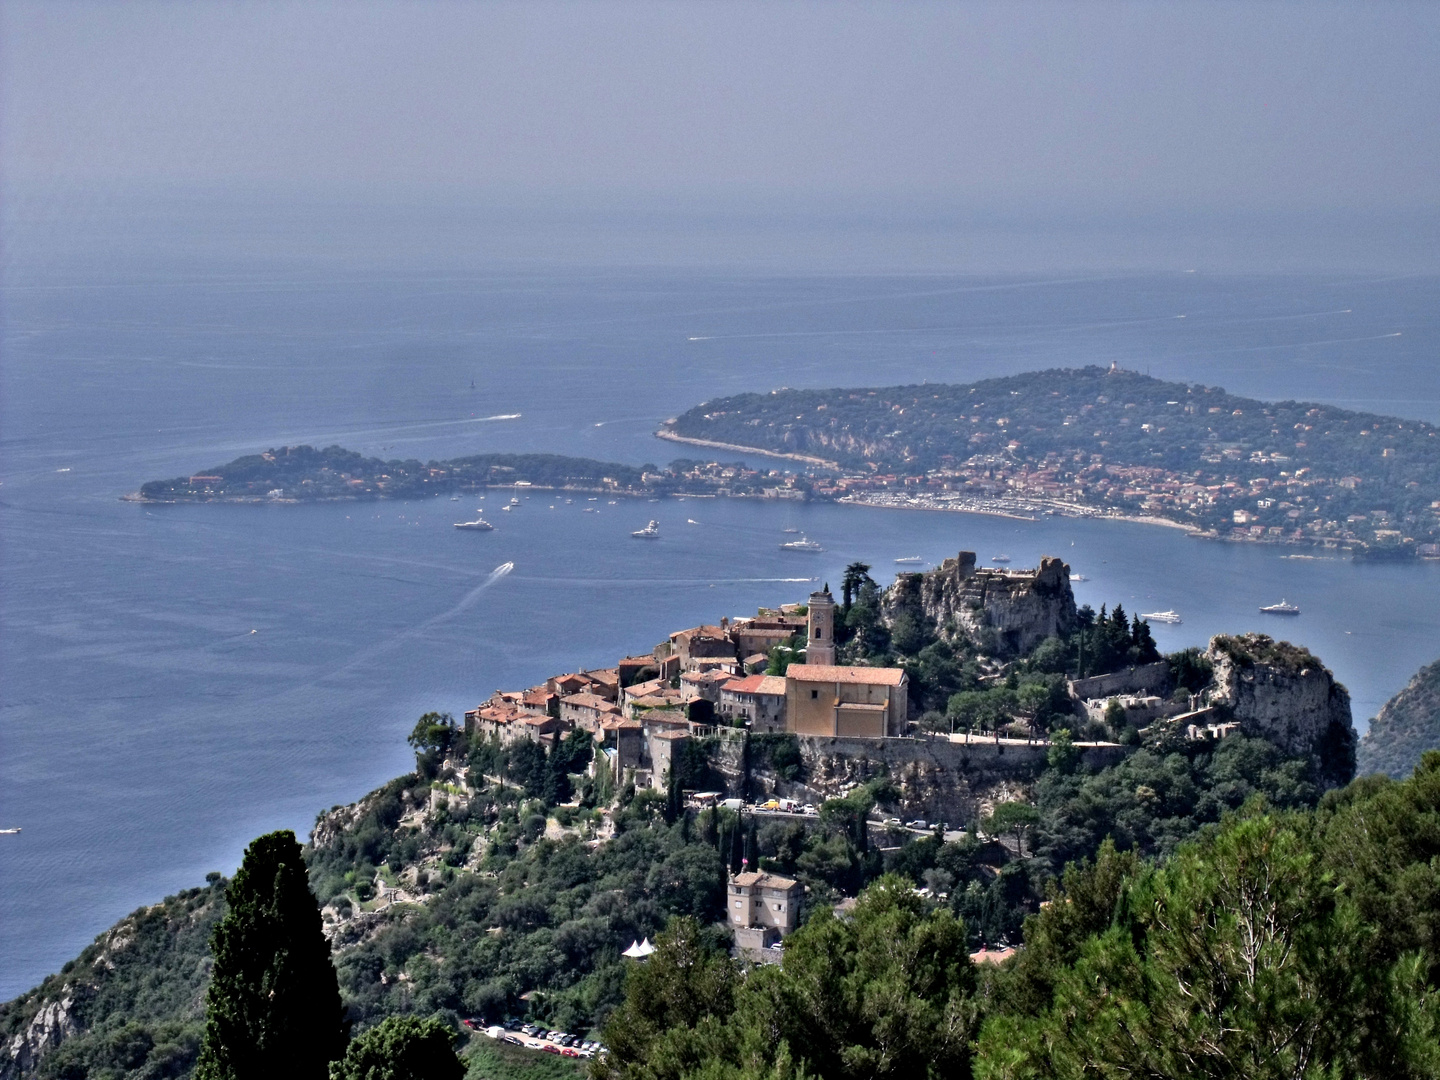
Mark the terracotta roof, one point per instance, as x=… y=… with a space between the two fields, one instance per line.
x=586 y=701
x=991 y=956
x=874 y=676
x=698 y=632
x=756 y=684
x=671 y=736
x=753 y=879
x=619 y=723
x=537 y=695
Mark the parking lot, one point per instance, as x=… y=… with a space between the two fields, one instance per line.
x=535 y=1037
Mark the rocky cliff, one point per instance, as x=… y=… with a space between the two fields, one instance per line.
x=1407 y=726
x=1282 y=693
x=1015 y=609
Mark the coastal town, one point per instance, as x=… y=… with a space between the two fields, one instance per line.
x=1111 y=443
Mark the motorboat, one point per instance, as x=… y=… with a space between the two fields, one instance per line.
x=649 y=532
x=1282 y=608
x=478 y=525
x=1000 y=558
x=803 y=544
x=1161 y=616
x=909 y=560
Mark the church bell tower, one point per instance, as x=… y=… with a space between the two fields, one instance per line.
x=821 y=649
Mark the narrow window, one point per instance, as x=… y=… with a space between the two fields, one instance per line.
x=814 y=694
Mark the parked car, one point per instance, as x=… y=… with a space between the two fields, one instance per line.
x=530 y=1029
x=515 y=1040
x=891 y=822
x=570 y=1051
x=918 y=823
x=809 y=808
x=550 y=1048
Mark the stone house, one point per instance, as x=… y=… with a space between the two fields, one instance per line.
x=586 y=711
x=762 y=909
x=705 y=685
x=757 y=700
x=664 y=745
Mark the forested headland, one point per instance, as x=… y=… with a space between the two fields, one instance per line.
x=1114 y=440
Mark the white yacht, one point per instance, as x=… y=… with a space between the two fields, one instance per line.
x=1161 y=616
x=1000 y=558
x=803 y=544
x=478 y=525
x=649 y=532
x=909 y=560
x=1282 y=608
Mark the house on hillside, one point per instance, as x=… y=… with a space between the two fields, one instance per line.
x=756 y=701
x=762 y=909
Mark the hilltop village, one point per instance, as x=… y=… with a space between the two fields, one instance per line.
x=699 y=704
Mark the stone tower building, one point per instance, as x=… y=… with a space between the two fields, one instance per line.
x=821 y=649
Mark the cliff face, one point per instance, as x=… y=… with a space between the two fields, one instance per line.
x=51 y=1025
x=1407 y=726
x=1282 y=693
x=1021 y=608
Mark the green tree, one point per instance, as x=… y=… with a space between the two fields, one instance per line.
x=401 y=1048
x=856 y=575
x=273 y=1007
x=1013 y=817
x=1240 y=957
x=675 y=1005
x=430 y=739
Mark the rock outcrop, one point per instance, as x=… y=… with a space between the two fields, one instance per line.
x=1407 y=726
x=1280 y=692
x=1017 y=608
x=48 y=1028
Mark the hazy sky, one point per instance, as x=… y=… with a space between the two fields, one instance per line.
x=1250 y=105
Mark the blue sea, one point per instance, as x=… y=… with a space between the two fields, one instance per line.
x=177 y=680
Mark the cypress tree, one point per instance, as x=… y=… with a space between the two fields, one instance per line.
x=274 y=1003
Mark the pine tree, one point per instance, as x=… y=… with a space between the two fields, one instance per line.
x=402 y=1048
x=274 y=1003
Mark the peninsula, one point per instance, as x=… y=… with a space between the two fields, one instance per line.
x=305 y=474
x=1098 y=442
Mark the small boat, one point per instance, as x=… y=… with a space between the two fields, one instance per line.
x=908 y=560
x=454 y=498
x=590 y=510
x=802 y=544
x=649 y=532
x=691 y=521
x=8 y=832
x=507 y=508
x=515 y=500
x=1282 y=608
x=1000 y=558
x=478 y=525
x=1161 y=616
x=790 y=530
x=1078 y=577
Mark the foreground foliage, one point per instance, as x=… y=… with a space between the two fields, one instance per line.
x=1284 y=944
x=273 y=1007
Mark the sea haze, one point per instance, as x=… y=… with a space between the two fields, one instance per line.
x=179 y=679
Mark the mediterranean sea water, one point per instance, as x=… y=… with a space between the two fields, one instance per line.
x=177 y=680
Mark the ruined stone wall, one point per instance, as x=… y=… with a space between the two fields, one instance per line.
x=1153 y=678
x=1023 y=607
x=938 y=780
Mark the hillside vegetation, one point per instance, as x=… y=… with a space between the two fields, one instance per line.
x=1407 y=726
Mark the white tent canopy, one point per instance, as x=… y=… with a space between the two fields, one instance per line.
x=639 y=950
